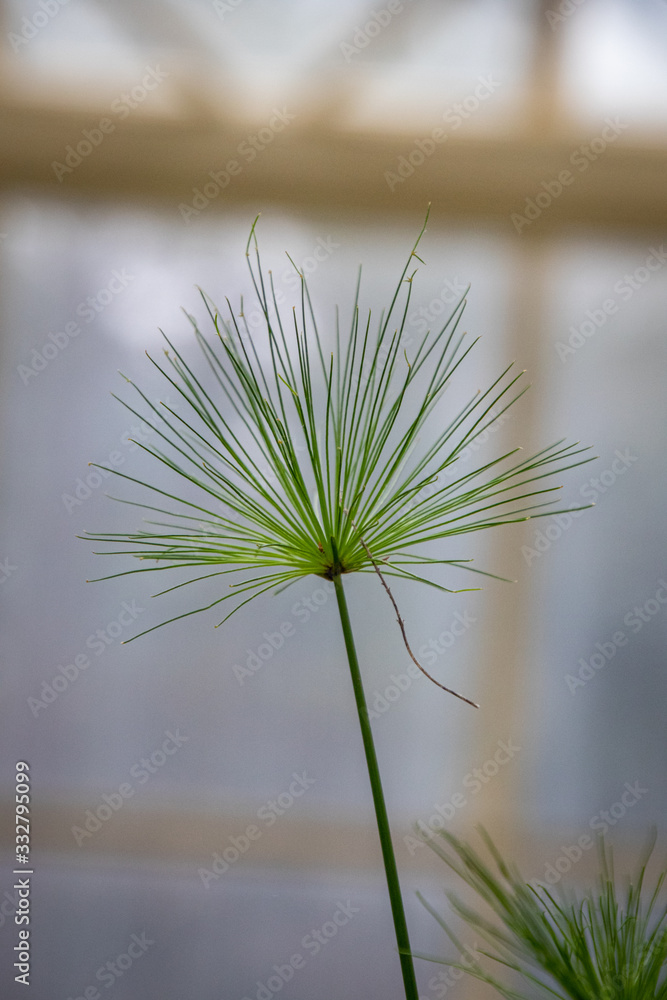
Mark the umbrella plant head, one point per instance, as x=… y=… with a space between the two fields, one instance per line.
x=290 y=458
x=306 y=460
x=609 y=943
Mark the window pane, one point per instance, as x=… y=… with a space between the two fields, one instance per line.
x=613 y=61
x=600 y=681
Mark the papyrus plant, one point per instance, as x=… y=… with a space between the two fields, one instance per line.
x=607 y=943
x=318 y=460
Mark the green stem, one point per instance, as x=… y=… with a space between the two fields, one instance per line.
x=391 y=871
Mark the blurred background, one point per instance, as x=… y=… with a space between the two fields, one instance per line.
x=139 y=141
